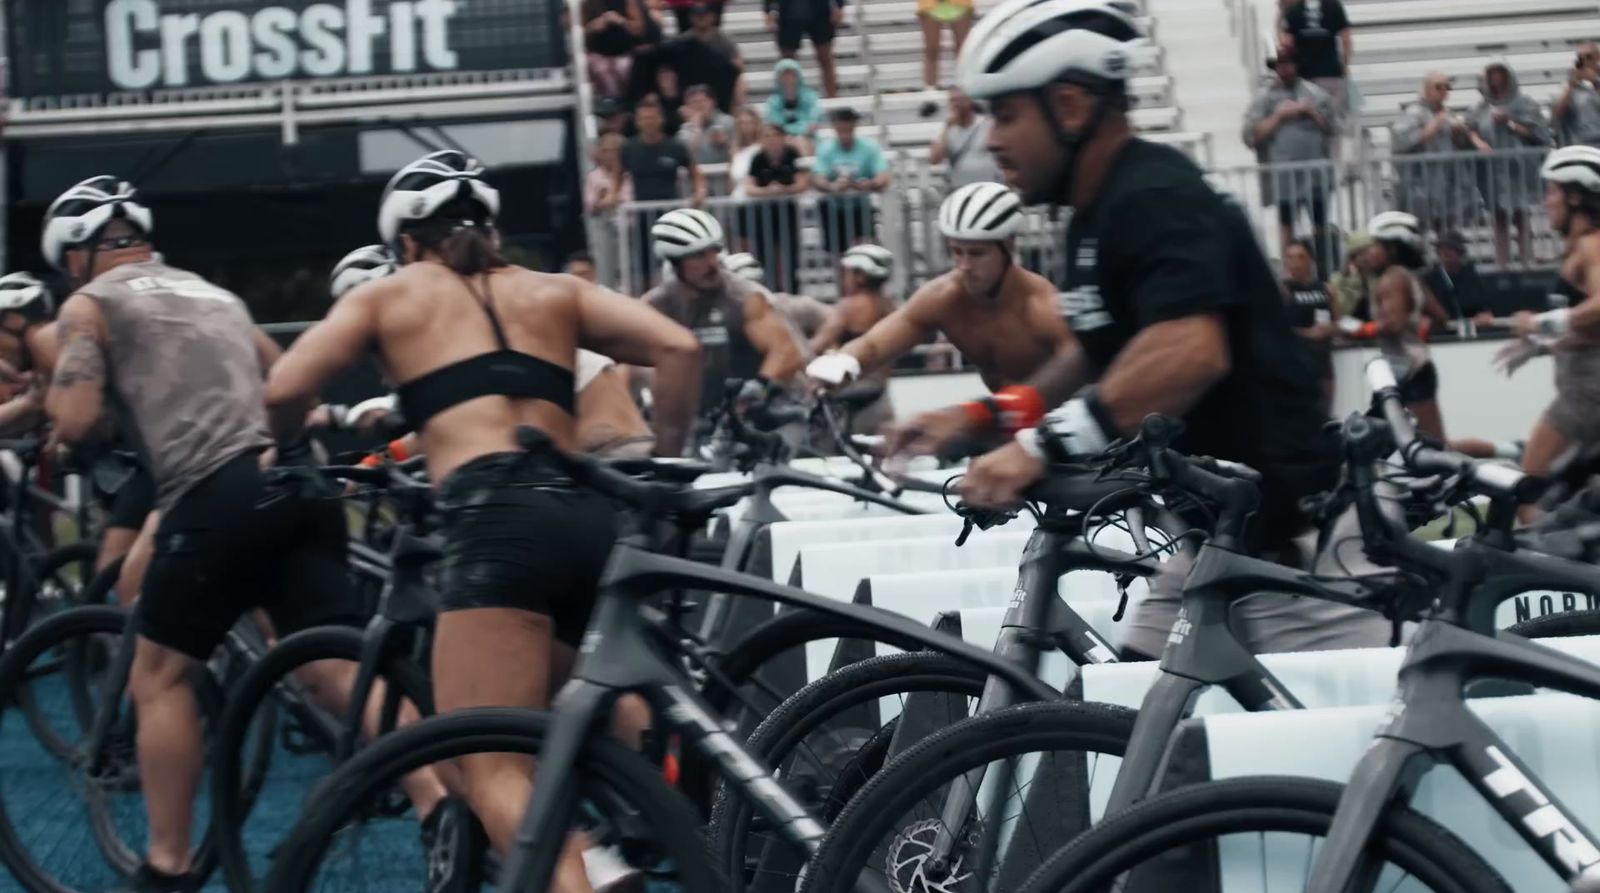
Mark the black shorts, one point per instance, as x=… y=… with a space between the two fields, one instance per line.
x=134 y=500
x=1422 y=386
x=519 y=534
x=790 y=31
x=235 y=543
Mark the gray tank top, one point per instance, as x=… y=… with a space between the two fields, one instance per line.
x=718 y=324
x=183 y=374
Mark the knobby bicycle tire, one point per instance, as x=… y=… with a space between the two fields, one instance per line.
x=233 y=786
x=76 y=623
x=1567 y=623
x=377 y=767
x=1191 y=814
x=812 y=707
x=872 y=815
x=91 y=593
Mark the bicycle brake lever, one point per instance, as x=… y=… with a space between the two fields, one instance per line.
x=966 y=531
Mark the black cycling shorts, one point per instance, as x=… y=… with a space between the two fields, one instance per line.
x=519 y=534
x=235 y=543
x=791 y=31
x=1422 y=386
x=134 y=501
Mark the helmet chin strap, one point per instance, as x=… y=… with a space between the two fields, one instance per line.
x=1071 y=143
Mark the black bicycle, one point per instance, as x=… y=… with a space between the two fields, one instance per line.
x=1364 y=835
x=588 y=780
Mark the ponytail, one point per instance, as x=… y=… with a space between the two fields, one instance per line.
x=462 y=237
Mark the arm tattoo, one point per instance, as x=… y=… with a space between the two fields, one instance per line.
x=81 y=360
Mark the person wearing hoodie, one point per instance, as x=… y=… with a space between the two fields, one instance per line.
x=1507 y=120
x=1439 y=191
x=1577 y=111
x=794 y=106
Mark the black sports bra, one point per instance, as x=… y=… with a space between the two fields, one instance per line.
x=1572 y=293
x=503 y=373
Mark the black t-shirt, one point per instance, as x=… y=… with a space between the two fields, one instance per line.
x=767 y=172
x=655 y=167
x=1305 y=299
x=1315 y=25
x=1159 y=244
x=1462 y=294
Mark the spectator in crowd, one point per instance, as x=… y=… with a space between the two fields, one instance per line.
x=608 y=184
x=612 y=29
x=705 y=55
x=656 y=162
x=1577 y=111
x=772 y=220
x=611 y=116
x=935 y=15
x=1353 y=285
x=794 y=106
x=684 y=10
x=963 y=144
x=794 y=20
x=1508 y=120
x=1440 y=192
x=667 y=89
x=581 y=265
x=707 y=130
x=1291 y=120
x=1318 y=35
x=1453 y=280
x=1312 y=310
x=606 y=187
x=849 y=168
x=746 y=143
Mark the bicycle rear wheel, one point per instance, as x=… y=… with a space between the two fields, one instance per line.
x=346 y=839
x=1265 y=829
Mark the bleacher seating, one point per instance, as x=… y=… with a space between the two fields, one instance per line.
x=1399 y=41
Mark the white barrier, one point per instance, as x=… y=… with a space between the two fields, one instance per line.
x=1553 y=733
x=789 y=537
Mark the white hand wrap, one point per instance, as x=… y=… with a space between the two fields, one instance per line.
x=834 y=369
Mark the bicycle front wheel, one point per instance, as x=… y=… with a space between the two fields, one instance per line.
x=1253 y=834
x=347 y=840
x=920 y=825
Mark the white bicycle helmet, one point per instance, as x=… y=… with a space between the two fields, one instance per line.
x=80 y=214
x=23 y=293
x=684 y=232
x=874 y=260
x=1026 y=44
x=745 y=266
x=981 y=212
x=418 y=190
x=1396 y=226
x=364 y=264
x=1574 y=166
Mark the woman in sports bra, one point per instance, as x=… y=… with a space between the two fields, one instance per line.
x=481 y=347
x=1400 y=318
x=1570 y=331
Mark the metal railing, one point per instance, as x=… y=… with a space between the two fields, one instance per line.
x=1494 y=200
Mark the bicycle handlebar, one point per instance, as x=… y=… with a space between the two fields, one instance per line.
x=1491 y=479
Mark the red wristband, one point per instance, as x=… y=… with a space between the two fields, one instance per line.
x=1367 y=330
x=398 y=451
x=371 y=460
x=1020 y=407
x=979 y=413
x=1424 y=327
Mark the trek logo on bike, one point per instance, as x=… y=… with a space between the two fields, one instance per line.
x=1545 y=819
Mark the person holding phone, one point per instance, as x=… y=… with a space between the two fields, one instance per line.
x=1577 y=111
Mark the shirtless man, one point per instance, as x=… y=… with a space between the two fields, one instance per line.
x=1005 y=320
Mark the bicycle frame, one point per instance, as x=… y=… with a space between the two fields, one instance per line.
x=723 y=617
x=1430 y=722
x=619 y=654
